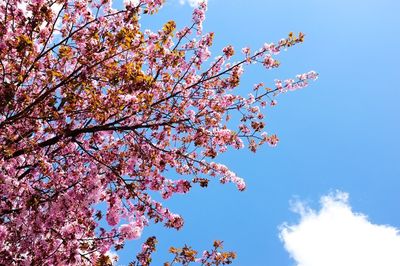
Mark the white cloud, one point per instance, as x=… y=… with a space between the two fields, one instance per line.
x=336 y=236
x=192 y=3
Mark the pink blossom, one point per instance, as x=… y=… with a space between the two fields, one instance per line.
x=130 y=231
x=246 y=51
x=228 y=51
x=112 y=216
x=241 y=185
x=3 y=235
x=269 y=62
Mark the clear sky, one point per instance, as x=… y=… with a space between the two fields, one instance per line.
x=341 y=133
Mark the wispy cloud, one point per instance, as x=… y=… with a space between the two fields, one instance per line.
x=192 y=3
x=335 y=235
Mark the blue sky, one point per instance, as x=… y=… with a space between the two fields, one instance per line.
x=341 y=133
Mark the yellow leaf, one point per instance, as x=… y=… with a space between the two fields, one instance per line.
x=169 y=27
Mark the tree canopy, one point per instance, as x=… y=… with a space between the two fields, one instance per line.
x=95 y=109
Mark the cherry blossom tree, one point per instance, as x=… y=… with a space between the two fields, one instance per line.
x=95 y=109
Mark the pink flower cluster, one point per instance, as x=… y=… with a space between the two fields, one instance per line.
x=130 y=231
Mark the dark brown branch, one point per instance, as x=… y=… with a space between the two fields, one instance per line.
x=93 y=129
